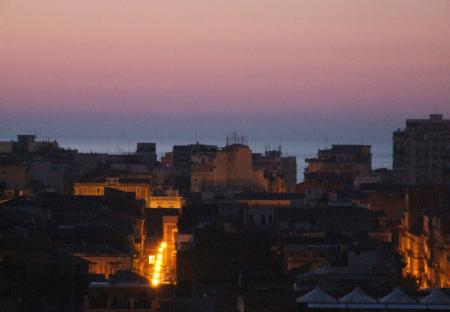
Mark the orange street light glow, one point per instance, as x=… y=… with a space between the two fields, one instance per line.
x=156 y=276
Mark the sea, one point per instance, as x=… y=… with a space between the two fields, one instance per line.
x=381 y=151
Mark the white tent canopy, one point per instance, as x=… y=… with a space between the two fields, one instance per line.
x=357 y=296
x=357 y=299
x=436 y=296
x=316 y=295
x=397 y=296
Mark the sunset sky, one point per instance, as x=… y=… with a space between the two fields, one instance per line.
x=297 y=69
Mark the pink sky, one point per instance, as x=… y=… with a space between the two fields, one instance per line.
x=238 y=58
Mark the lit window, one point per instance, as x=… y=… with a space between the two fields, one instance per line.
x=151 y=259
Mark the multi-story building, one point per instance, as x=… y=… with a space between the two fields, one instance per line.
x=122 y=292
x=339 y=163
x=182 y=158
x=426 y=249
x=6 y=148
x=170 y=232
x=142 y=161
x=147 y=150
x=142 y=190
x=424 y=238
x=422 y=151
x=26 y=144
x=280 y=171
x=166 y=199
x=230 y=168
x=103 y=260
x=14 y=175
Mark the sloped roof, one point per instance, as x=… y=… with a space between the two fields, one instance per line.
x=436 y=296
x=357 y=296
x=317 y=295
x=397 y=296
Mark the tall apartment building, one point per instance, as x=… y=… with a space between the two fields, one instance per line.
x=422 y=151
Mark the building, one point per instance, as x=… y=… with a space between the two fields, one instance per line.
x=317 y=193
x=6 y=148
x=289 y=171
x=234 y=169
x=199 y=167
x=281 y=172
x=229 y=168
x=166 y=199
x=14 y=175
x=102 y=260
x=162 y=253
x=26 y=144
x=125 y=291
x=140 y=186
x=340 y=163
x=141 y=190
x=424 y=243
x=182 y=158
x=142 y=161
x=340 y=266
x=422 y=151
x=170 y=232
x=147 y=150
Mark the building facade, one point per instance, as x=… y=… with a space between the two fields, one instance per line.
x=228 y=168
x=422 y=151
x=142 y=191
x=340 y=163
x=280 y=171
x=425 y=248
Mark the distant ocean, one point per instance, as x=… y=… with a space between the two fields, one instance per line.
x=381 y=151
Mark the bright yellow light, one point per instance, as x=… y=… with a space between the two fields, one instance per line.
x=157 y=265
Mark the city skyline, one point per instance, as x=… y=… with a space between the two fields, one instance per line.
x=210 y=155
x=305 y=69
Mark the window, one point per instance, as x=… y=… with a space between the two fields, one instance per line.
x=151 y=259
